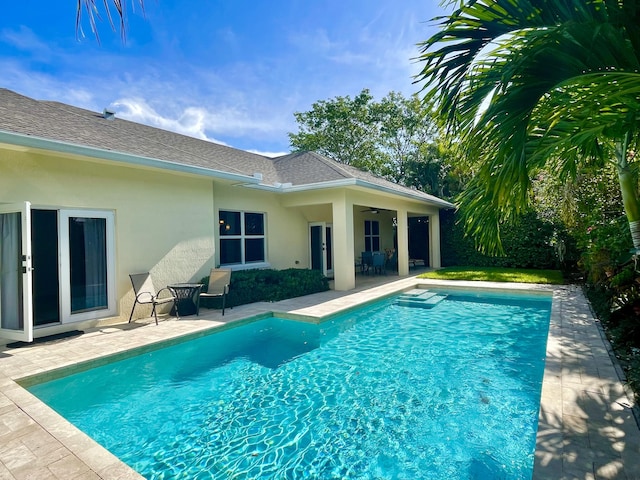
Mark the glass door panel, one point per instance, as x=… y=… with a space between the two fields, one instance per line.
x=329 y=249
x=46 y=274
x=16 y=320
x=321 y=247
x=317 y=247
x=87 y=274
x=88 y=262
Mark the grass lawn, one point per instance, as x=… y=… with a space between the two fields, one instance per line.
x=494 y=274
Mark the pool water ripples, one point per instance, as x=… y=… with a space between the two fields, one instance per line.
x=388 y=392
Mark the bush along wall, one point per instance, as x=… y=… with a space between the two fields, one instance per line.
x=250 y=286
x=527 y=243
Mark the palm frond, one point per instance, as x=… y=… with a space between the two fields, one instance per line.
x=91 y=7
x=524 y=82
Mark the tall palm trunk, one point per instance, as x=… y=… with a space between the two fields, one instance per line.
x=629 y=188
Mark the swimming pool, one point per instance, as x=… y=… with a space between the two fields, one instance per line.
x=450 y=391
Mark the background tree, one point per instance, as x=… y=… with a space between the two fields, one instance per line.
x=406 y=139
x=526 y=85
x=343 y=129
x=395 y=138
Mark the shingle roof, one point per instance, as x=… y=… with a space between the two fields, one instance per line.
x=59 y=122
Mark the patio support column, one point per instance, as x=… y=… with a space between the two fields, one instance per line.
x=402 y=231
x=343 y=244
x=434 y=241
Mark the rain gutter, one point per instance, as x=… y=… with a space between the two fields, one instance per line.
x=352 y=182
x=30 y=141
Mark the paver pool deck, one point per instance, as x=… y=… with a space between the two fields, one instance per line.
x=587 y=427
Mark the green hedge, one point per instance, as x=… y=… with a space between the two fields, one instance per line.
x=250 y=286
x=527 y=244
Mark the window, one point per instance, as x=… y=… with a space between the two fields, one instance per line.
x=242 y=238
x=371 y=236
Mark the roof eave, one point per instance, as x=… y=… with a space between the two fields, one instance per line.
x=350 y=182
x=30 y=141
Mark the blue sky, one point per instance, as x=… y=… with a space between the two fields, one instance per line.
x=230 y=71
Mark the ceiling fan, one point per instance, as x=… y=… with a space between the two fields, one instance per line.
x=374 y=210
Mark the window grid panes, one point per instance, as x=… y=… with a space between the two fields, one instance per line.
x=371 y=235
x=242 y=237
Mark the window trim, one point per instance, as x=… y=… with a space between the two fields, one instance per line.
x=243 y=236
x=368 y=238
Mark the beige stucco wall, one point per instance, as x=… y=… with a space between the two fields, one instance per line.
x=166 y=222
x=163 y=221
x=347 y=204
x=287 y=229
x=384 y=219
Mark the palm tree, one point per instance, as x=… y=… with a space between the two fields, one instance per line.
x=527 y=84
x=92 y=10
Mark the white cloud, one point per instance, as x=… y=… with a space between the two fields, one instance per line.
x=24 y=39
x=201 y=122
x=313 y=42
x=192 y=120
x=269 y=154
x=240 y=102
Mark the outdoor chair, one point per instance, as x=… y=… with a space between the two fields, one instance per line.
x=392 y=262
x=379 y=260
x=367 y=261
x=218 y=287
x=146 y=294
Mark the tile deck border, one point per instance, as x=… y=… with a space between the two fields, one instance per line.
x=588 y=424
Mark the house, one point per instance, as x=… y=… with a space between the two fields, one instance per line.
x=87 y=198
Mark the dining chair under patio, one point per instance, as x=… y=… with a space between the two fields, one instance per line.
x=367 y=262
x=379 y=260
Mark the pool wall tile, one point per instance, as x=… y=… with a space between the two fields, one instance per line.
x=587 y=425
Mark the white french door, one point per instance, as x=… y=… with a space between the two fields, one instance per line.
x=73 y=255
x=87 y=273
x=16 y=311
x=321 y=247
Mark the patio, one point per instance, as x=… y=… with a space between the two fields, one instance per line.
x=587 y=427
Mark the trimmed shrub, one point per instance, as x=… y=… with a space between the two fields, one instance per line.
x=250 y=286
x=528 y=243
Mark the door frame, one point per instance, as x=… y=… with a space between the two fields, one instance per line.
x=66 y=315
x=327 y=247
x=25 y=331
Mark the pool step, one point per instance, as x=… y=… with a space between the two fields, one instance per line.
x=417 y=292
x=419 y=298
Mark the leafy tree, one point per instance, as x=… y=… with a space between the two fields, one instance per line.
x=395 y=138
x=406 y=138
x=532 y=84
x=438 y=169
x=581 y=204
x=343 y=129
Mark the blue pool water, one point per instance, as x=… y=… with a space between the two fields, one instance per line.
x=387 y=392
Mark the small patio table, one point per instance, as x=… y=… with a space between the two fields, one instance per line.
x=188 y=295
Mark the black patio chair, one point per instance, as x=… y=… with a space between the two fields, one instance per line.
x=146 y=294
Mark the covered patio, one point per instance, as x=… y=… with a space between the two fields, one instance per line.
x=345 y=223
